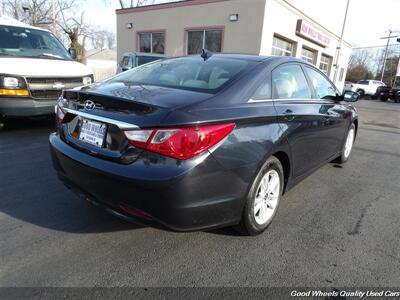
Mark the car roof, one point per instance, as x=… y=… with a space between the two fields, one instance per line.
x=143 y=54
x=6 y=21
x=242 y=56
x=261 y=58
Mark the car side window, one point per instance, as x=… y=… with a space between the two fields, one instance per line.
x=289 y=82
x=363 y=82
x=323 y=88
x=124 y=61
x=264 y=91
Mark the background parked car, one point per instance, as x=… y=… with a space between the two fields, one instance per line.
x=134 y=59
x=347 y=86
x=366 y=87
x=384 y=93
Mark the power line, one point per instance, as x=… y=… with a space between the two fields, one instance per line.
x=370 y=47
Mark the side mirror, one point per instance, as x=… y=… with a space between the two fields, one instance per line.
x=72 y=52
x=350 y=96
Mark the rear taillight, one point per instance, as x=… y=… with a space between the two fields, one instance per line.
x=180 y=143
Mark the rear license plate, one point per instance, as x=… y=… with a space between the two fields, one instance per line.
x=92 y=132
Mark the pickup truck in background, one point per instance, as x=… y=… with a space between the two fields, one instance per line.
x=365 y=87
x=384 y=93
x=347 y=86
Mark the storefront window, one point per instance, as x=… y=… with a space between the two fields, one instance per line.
x=325 y=64
x=281 y=47
x=204 y=39
x=308 y=55
x=152 y=42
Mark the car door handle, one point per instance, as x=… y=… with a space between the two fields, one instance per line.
x=288 y=115
x=327 y=120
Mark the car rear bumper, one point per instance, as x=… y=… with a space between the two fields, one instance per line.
x=181 y=195
x=26 y=107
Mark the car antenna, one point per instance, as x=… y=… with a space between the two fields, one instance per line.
x=205 y=54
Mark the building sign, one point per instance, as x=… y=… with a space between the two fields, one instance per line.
x=309 y=32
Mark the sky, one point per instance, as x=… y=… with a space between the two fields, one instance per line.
x=367 y=20
x=102 y=12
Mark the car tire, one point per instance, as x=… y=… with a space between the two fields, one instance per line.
x=361 y=93
x=383 y=98
x=347 y=146
x=263 y=198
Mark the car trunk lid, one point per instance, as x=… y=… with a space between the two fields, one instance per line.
x=94 y=119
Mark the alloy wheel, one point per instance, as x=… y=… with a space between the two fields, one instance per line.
x=349 y=143
x=267 y=197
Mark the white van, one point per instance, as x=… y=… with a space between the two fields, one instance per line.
x=34 y=68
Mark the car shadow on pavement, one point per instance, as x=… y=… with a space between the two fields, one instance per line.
x=13 y=124
x=30 y=191
x=226 y=231
x=67 y=214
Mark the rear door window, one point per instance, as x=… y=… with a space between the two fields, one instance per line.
x=323 y=88
x=289 y=82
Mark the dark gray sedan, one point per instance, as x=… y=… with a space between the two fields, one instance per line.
x=201 y=141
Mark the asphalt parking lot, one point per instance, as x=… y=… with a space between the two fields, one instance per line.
x=339 y=227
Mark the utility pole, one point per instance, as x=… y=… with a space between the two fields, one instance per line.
x=339 y=47
x=386 y=50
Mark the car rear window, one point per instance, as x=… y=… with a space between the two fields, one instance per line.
x=190 y=73
x=141 y=60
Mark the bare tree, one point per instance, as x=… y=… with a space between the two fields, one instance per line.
x=98 y=39
x=360 y=57
x=135 y=3
x=360 y=65
x=76 y=30
x=110 y=39
x=39 y=12
x=102 y=38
